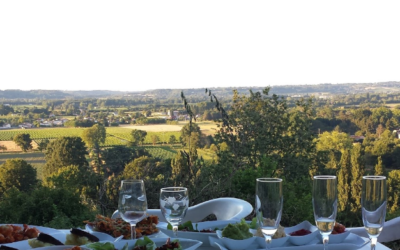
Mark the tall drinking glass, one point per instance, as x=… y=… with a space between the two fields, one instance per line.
x=324 y=199
x=132 y=203
x=269 y=202
x=174 y=202
x=373 y=202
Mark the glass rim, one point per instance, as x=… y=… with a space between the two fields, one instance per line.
x=264 y=179
x=174 y=189
x=324 y=177
x=133 y=180
x=374 y=177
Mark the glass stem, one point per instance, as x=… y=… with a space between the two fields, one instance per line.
x=133 y=231
x=175 y=229
x=325 y=240
x=268 y=240
x=373 y=242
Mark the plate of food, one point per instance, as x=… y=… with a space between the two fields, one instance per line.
x=11 y=233
x=168 y=243
x=200 y=231
x=349 y=243
x=75 y=237
x=118 y=227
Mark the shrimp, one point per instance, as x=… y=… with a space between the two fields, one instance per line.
x=2 y=238
x=31 y=233
x=6 y=230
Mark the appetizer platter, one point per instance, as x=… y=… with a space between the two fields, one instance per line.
x=118 y=227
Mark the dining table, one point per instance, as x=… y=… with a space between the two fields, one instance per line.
x=379 y=246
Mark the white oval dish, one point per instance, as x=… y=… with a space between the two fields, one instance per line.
x=186 y=244
x=203 y=237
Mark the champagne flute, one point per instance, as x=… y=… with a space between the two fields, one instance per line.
x=174 y=202
x=269 y=202
x=324 y=198
x=373 y=202
x=132 y=203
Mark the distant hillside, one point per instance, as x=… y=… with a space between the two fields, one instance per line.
x=225 y=92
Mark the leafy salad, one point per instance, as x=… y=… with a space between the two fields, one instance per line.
x=141 y=244
x=188 y=226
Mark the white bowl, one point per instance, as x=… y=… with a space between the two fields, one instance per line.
x=236 y=244
x=304 y=239
x=336 y=238
x=274 y=242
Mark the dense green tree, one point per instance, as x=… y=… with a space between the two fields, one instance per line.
x=56 y=208
x=24 y=141
x=154 y=173
x=17 y=173
x=154 y=139
x=357 y=172
x=344 y=182
x=334 y=141
x=5 y=109
x=379 y=167
x=191 y=135
x=138 y=136
x=64 y=151
x=94 y=136
x=172 y=139
x=43 y=144
x=393 y=184
x=115 y=158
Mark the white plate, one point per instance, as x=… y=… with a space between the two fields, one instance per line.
x=203 y=237
x=22 y=245
x=352 y=242
x=304 y=239
x=59 y=248
x=185 y=243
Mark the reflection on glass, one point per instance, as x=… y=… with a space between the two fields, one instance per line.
x=373 y=202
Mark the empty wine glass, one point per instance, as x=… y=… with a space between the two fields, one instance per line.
x=373 y=202
x=132 y=203
x=268 y=207
x=174 y=202
x=324 y=199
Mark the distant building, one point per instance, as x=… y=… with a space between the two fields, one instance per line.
x=397 y=131
x=357 y=138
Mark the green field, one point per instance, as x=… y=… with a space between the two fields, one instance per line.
x=36 y=159
x=115 y=135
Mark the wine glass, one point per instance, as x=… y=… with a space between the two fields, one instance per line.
x=373 y=202
x=132 y=203
x=174 y=202
x=324 y=199
x=268 y=207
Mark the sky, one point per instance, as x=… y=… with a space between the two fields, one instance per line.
x=179 y=44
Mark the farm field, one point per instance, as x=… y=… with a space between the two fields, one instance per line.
x=36 y=159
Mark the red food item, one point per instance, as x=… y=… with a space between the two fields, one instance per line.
x=300 y=232
x=338 y=228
